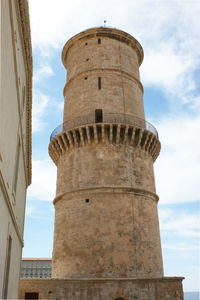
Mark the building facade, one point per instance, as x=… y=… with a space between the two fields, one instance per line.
x=15 y=138
x=36 y=268
x=106 y=232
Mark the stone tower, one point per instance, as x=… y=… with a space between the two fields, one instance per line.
x=106 y=221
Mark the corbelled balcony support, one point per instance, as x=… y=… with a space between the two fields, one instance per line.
x=97 y=133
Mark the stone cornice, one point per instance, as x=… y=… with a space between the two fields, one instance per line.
x=105 y=279
x=26 y=35
x=93 y=70
x=104 y=133
x=108 y=189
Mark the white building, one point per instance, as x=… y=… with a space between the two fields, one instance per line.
x=15 y=138
x=36 y=267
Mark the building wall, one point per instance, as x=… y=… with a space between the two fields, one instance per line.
x=36 y=268
x=15 y=138
x=108 y=289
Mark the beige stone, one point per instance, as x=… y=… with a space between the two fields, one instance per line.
x=166 y=288
x=106 y=222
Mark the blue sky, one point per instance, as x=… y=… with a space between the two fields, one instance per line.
x=169 y=32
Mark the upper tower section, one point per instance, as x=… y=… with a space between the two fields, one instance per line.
x=103 y=73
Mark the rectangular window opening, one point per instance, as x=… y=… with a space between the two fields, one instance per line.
x=31 y=296
x=7 y=268
x=16 y=166
x=98 y=116
x=99 y=83
x=99 y=41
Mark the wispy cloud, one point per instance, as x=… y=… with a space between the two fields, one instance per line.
x=43 y=181
x=177 y=170
x=30 y=210
x=171 y=42
x=180 y=247
x=42 y=72
x=40 y=102
x=180 y=223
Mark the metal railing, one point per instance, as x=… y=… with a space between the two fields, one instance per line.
x=107 y=119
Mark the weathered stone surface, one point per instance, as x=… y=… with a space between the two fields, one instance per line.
x=106 y=222
x=108 y=289
x=116 y=60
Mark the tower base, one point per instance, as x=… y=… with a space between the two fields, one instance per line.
x=165 y=288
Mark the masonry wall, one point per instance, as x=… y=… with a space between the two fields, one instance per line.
x=116 y=62
x=105 y=165
x=138 y=289
x=106 y=222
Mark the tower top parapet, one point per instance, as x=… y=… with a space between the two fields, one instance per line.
x=109 y=32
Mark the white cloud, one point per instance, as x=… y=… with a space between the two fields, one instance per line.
x=180 y=247
x=44 y=180
x=40 y=102
x=168 y=31
x=171 y=71
x=181 y=223
x=42 y=72
x=30 y=210
x=177 y=169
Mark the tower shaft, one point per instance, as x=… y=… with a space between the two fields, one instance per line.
x=106 y=222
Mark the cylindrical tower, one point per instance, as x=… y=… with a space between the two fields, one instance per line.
x=106 y=222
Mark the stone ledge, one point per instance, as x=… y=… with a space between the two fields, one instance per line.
x=108 y=189
x=101 y=70
x=162 y=288
x=168 y=278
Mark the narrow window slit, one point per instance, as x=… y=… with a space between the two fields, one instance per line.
x=99 y=41
x=99 y=83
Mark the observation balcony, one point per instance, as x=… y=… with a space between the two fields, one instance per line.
x=104 y=127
